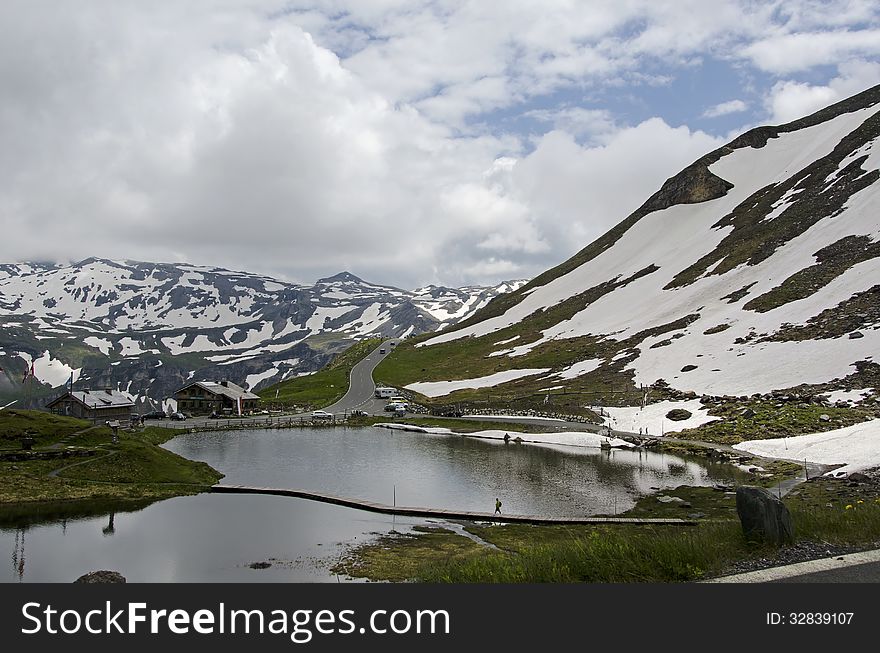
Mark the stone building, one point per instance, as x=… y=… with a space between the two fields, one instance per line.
x=101 y=405
x=222 y=398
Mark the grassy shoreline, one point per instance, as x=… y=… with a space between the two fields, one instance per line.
x=621 y=553
x=93 y=467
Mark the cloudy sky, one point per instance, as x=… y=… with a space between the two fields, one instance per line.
x=406 y=141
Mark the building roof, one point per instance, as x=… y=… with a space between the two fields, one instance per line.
x=226 y=388
x=98 y=399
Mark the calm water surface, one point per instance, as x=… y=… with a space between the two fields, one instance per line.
x=209 y=538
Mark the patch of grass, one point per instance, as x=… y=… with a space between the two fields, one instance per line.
x=831 y=262
x=853 y=313
x=712 y=503
x=324 y=387
x=137 y=460
x=819 y=511
x=609 y=385
x=411 y=552
x=759 y=419
x=46 y=428
x=600 y=555
x=135 y=467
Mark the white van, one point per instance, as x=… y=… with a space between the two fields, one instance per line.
x=384 y=393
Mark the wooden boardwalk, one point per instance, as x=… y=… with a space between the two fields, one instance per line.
x=439 y=513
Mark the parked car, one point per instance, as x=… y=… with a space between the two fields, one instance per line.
x=178 y=416
x=358 y=413
x=399 y=411
x=321 y=415
x=156 y=414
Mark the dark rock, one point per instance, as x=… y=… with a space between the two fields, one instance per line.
x=678 y=414
x=102 y=576
x=858 y=477
x=764 y=517
x=260 y=565
x=856 y=334
x=688 y=368
x=748 y=413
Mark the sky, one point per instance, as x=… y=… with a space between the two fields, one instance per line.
x=408 y=142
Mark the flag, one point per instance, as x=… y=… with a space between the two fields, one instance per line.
x=70 y=381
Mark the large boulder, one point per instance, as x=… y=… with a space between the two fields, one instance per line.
x=102 y=576
x=678 y=414
x=763 y=516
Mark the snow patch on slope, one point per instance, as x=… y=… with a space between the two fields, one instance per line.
x=855 y=447
x=652 y=419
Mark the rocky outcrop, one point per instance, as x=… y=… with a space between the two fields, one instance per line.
x=764 y=517
x=102 y=576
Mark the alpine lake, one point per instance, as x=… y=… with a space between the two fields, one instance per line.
x=255 y=538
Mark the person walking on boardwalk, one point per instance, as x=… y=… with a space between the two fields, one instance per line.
x=497 y=506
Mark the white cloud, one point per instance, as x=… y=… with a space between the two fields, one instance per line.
x=787 y=53
x=725 y=108
x=576 y=192
x=790 y=100
x=298 y=138
x=492 y=267
x=576 y=120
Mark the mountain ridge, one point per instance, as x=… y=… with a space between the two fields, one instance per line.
x=148 y=327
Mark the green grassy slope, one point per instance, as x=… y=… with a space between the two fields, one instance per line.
x=134 y=467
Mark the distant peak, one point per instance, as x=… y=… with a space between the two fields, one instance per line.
x=342 y=276
x=97 y=260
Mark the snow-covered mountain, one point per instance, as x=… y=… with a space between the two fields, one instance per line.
x=451 y=305
x=148 y=327
x=755 y=269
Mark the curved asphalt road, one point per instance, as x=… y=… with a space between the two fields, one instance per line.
x=361 y=388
